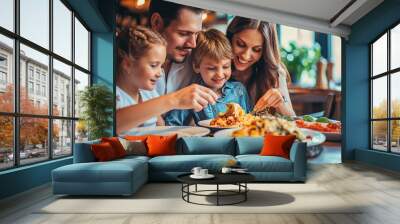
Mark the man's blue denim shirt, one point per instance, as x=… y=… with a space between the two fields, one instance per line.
x=232 y=92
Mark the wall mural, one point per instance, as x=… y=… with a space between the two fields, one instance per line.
x=193 y=71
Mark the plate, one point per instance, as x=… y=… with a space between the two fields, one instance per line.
x=330 y=136
x=181 y=131
x=206 y=123
x=208 y=176
x=317 y=137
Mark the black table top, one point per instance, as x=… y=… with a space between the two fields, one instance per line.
x=220 y=178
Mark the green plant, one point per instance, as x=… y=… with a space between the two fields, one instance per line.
x=97 y=104
x=299 y=59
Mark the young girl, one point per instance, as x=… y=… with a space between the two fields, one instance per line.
x=211 y=59
x=139 y=68
x=141 y=54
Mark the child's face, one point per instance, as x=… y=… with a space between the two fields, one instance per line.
x=214 y=72
x=147 y=69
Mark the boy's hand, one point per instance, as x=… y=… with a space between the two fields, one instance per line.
x=194 y=97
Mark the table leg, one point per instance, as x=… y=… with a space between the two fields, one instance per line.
x=196 y=188
x=188 y=192
x=245 y=192
x=217 y=194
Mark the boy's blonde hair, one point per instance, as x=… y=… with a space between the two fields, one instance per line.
x=211 y=43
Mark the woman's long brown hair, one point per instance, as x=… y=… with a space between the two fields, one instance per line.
x=265 y=72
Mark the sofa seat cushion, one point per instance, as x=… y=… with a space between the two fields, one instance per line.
x=111 y=171
x=185 y=163
x=206 y=145
x=133 y=158
x=257 y=163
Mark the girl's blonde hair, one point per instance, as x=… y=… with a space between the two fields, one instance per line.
x=211 y=43
x=135 y=42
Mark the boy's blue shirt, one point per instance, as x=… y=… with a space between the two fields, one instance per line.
x=232 y=92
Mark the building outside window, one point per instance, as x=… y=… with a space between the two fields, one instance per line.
x=44 y=77
x=3 y=72
x=43 y=90
x=30 y=72
x=56 y=140
x=38 y=89
x=30 y=87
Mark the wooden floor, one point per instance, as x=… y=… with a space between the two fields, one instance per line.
x=377 y=188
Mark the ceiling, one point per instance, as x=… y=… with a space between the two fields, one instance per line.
x=326 y=16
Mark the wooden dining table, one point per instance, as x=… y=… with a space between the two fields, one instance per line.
x=312 y=100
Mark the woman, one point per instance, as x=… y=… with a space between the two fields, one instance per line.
x=257 y=64
x=141 y=54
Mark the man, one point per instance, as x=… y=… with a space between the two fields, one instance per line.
x=179 y=25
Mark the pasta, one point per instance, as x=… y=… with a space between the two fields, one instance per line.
x=269 y=125
x=255 y=126
x=234 y=116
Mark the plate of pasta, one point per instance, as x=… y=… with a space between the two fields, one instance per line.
x=234 y=117
x=276 y=126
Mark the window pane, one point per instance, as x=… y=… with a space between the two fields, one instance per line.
x=6 y=142
x=379 y=135
x=6 y=74
x=395 y=47
x=81 y=81
x=34 y=72
x=33 y=139
x=395 y=94
x=337 y=58
x=62 y=141
x=81 y=45
x=379 y=55
x=7 y=14
x=35 y=21
x=379 y=97
x=62 y=29
x=395 y=138
x=81 y=131
x=62 y=89
x=301 y=37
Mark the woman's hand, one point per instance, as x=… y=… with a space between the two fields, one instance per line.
x=272 y=98
x=194 y=97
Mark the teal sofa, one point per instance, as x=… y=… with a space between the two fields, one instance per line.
x=125 y=176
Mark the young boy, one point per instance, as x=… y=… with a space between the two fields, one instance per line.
x=212 y=60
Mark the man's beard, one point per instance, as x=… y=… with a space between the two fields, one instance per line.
x=180 y=61
x=173 y=59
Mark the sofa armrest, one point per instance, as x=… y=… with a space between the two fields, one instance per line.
x=299 y=159
x=83 y=152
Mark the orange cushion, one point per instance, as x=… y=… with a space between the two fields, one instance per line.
x=277 y=145
x=135 y=138
x=161 y=145
x=116 y=145
x=103 y=151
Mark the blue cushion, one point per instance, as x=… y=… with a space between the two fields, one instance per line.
x=185 y=163
x=111 y=171
x=83 y=152
x=257 y=163
x=249 y=145
x=207 y=145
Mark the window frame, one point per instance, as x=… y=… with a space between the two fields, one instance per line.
x=16 y=115
x=388 y=74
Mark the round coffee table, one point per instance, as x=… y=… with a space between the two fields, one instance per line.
x=238 y=179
